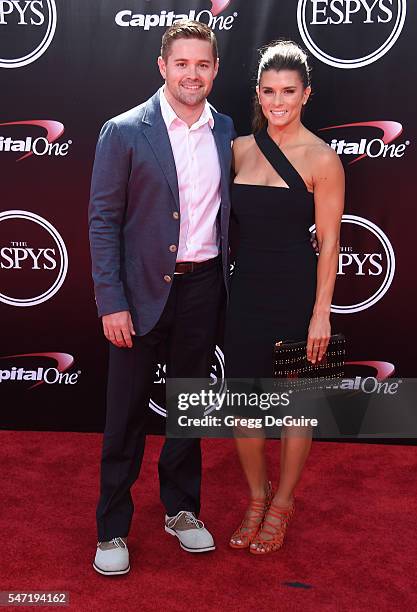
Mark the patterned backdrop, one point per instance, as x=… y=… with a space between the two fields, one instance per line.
x=66 y=66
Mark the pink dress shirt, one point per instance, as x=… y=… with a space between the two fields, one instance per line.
x=198 y=172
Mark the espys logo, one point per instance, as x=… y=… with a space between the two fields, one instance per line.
x=41 y=146
x=366 y=265
x=217 y=381
x=27 y=28
x=350 y=33
x=164 y=19
x=38 y=374
x=33 y=259
x=353 y=144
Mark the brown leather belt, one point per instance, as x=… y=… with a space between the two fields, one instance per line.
x=184 y=267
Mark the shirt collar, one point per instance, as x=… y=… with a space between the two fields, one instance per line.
x=169 y=115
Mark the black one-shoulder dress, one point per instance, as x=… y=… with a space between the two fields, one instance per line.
x=273 y=285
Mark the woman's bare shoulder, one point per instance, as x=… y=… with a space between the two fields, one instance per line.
x=241 y=148
x=319 y=153
x=243 y=143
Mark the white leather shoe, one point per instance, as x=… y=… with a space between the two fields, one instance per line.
x=112 y=558
x=192 y=534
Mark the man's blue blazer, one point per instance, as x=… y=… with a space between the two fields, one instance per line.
x=134 y=193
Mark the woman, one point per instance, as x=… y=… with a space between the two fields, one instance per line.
x=280 y=289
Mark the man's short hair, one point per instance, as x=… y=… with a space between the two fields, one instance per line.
x=187 y=28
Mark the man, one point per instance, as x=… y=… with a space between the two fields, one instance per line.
x=159 y=215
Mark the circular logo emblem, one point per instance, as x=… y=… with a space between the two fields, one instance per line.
x=217 y=382
x=366 y=265
x=350 y=34
x=27 y=30
x=33 y=259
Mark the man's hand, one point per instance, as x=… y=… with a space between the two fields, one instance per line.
x=118 y=328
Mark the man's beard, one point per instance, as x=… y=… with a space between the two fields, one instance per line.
x=191 y=99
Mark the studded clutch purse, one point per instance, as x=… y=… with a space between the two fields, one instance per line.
x=290 y=360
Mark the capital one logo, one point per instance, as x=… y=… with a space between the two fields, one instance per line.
x=353 y=144
x=164 y=19
x=350 y=33
x=33 y=259
x=218 y=6
x=40 y=146
x=366 y=265
x=37 y=369
x=27 y=28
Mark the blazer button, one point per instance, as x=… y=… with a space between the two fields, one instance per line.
x=173 y=248
x=167 y=278
x=176 y=214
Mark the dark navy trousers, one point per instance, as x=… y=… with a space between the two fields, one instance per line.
x=188 y=328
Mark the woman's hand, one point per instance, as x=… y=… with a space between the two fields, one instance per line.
x=318 y=337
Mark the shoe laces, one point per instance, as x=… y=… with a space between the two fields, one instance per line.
x=118 y=542
x=190 y=519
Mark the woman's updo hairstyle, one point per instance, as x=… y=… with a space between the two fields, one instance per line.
x=280 y=55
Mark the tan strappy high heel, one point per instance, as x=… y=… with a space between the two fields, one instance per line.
x=276 y=530
x=249 y=527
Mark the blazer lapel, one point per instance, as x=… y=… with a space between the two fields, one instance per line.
x=157 y=135
x=222 y=141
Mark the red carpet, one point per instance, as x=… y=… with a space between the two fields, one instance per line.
x=351 y=545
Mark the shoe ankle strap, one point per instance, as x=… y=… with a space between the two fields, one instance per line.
x=278 y=511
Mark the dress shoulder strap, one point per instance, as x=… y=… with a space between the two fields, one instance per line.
x=279 y=161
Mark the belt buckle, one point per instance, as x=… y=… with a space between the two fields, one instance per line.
x=188 y=267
